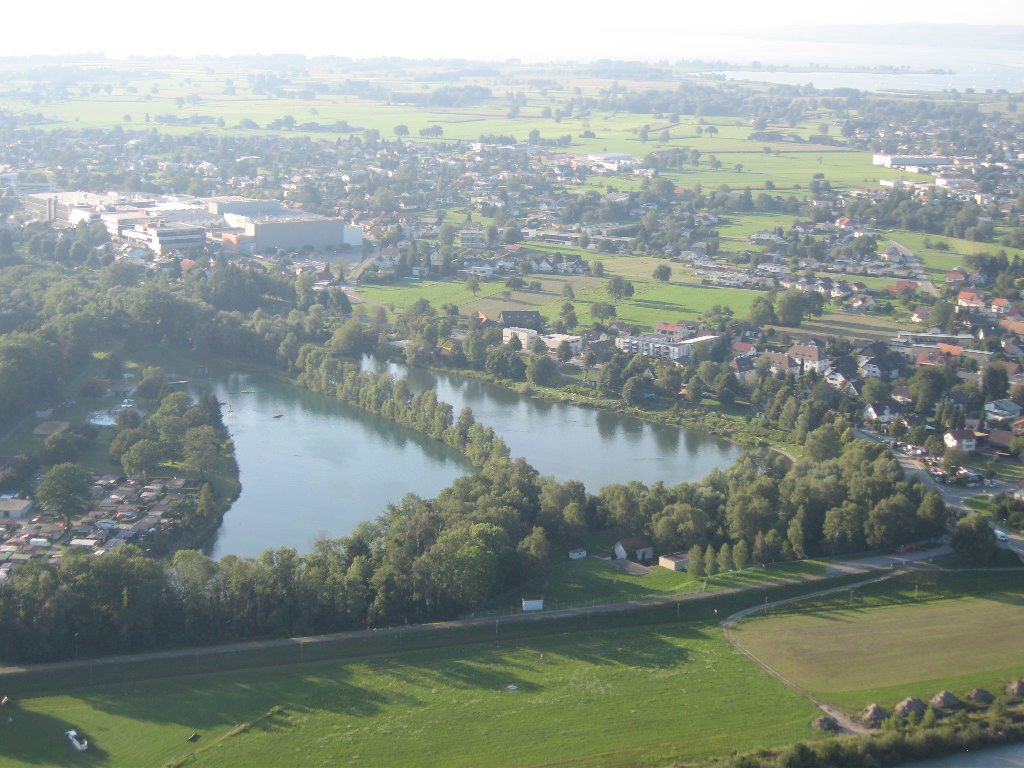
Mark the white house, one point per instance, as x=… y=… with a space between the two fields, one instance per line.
x=526 y=336
x=639 y=548
x=964 y=439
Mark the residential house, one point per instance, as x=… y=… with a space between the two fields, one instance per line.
x=743 y=367
x=1000 y=440
x=1002 y=410
x=970 y=301
x=920 y=314
x=882 y=413
x=999 y=306
x=521 y=318
x=808 y=357
x=964 y=439
x=744 y=349
x=862 y=303
x=638 y=548
x=780 y=361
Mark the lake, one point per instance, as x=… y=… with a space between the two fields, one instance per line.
x=999 y=757
x=311 y=465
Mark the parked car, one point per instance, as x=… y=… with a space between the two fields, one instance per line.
x=77 y=741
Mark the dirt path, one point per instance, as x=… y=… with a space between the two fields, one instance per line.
x=846 y=724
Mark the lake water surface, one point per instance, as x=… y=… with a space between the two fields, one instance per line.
x=311 y=465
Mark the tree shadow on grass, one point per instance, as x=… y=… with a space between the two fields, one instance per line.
x=37 y=738
x=212 y=703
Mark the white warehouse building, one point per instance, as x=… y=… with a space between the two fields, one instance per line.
x=295 y=230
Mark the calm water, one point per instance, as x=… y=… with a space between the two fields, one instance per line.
x=574 y=443
x=323 y=467
x=1001 y=757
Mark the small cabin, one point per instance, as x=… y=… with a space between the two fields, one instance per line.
x=638 y=548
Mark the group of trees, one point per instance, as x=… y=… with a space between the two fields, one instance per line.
x=488 y=532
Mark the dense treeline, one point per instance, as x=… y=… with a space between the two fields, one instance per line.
x=486 y=534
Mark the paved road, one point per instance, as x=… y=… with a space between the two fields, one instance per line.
x=925 y=284
x=954 y=496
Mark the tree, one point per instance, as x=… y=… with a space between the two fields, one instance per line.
x=542 y=371
x=598 y=269
x=602 y=310
x=741 y=555
x=662 y=272
x=790 y=308
x=564 y=351
x=710 y=561
x=994 y=381
x=64 y=491
x=401 y=131
x=618 y=287
x=953 y=459
x=762 y=312
x=473 y=284
x=589 y=359
x=974 y=540
x=823 y=443
x=695 y=562
x=200 y=448
x=141 y=458
x=725 y=562
x=568 y=292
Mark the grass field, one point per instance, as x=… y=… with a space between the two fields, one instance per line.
x=592 y=581
x=914 y=636
x=611 y=695
x=937 y=262
x=845 y=324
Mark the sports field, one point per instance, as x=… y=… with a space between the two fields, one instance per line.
x=915 y=636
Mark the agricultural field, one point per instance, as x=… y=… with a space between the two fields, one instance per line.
x=223 y=94
x=610 y=696
x=937 y=262
x=845 y=324
x=912 y=636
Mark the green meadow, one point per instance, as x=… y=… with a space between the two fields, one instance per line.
x=911 y=636
x=651 y=687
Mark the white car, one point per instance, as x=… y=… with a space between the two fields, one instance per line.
x=1001 y=536
x=77 y=741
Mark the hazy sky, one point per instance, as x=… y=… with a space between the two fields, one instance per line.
x=527 y=29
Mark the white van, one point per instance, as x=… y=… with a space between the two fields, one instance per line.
x=1001 y=535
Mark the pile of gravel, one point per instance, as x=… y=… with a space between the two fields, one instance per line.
x=981 y=696
x=826 y=724
x=872 y=715
x=911 y=707
x=945 y=700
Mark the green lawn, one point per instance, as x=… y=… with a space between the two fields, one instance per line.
x=938 y=262
x=913 y=636
x=648 y=695
x=842 y=323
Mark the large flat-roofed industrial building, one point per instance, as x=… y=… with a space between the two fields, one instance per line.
x=292 y=229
